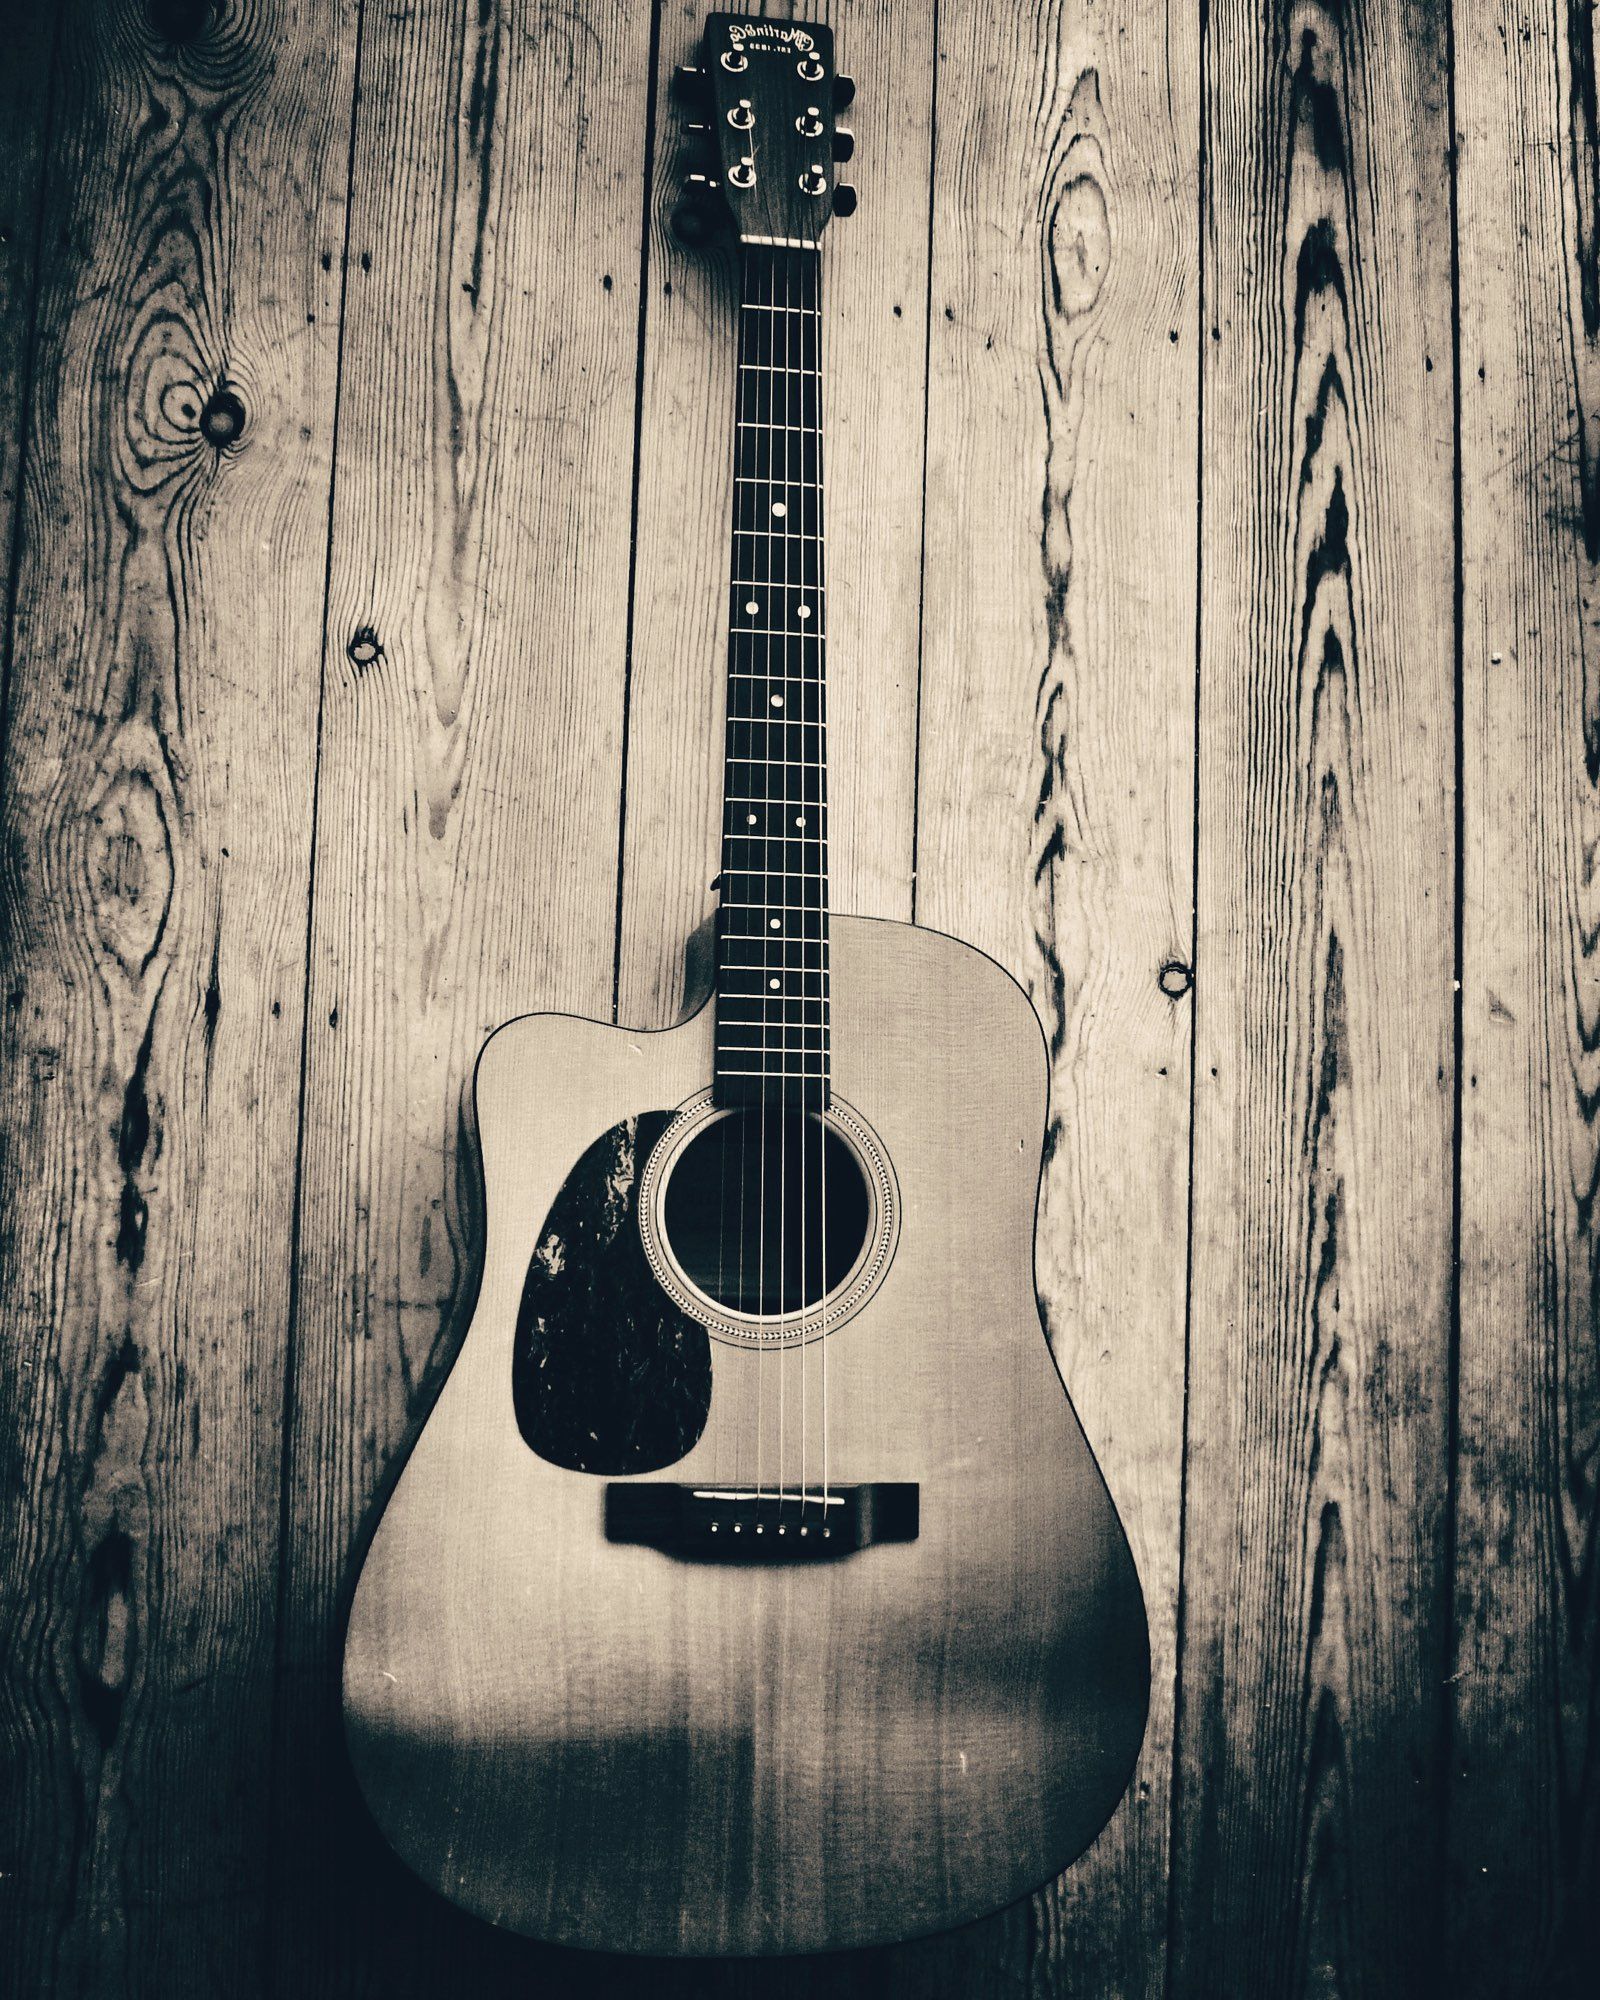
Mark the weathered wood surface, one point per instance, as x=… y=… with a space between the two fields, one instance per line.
x=1363 y=1774
x=1314 y=1632
x=1056 y=794
x=157 y=813
x=467 y=812
x=25 y=104
x=1525 y=1811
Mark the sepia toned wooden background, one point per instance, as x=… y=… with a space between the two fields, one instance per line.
x=1215 y=471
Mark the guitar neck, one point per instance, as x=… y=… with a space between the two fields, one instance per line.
x=772 y=932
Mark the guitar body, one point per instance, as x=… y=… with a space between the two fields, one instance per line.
x=608 y=1743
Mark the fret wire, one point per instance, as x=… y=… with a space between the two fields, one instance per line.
x=802 y=1036
x=727 y=1001
x=772 y=1074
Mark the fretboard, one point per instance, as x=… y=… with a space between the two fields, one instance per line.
x=772 y=938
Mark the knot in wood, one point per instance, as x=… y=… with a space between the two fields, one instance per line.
x=1175 y=978
x=179 y=21
x=222 y=419
x=364 y=647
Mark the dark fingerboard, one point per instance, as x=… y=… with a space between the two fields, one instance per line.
x=772 y=941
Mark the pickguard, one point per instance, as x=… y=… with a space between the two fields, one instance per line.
x=608 y=1375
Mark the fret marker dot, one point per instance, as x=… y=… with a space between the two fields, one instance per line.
x=749 y=819
x=775 y=923
x=777 y=701
x=773 y=984
x=801 y=820
x=752 y=607
x=779 y=509
x=802 y=611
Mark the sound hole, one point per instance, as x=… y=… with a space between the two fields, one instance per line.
x=767 y=1211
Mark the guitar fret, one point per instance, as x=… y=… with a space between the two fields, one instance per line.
x=776 y=1072
x=768 y=1017
x=782 y=764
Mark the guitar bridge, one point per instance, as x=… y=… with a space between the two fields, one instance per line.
x=736 y=1524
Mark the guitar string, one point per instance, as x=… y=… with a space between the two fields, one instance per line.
x=824 y=952
x=802 y=680
x=766 y=987
x=787 y=1125
x=739 y=414
x=794 y=658
x=776 y=1362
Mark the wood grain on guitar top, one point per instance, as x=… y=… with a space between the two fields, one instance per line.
x=597 y=1742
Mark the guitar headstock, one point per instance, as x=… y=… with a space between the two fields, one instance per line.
x=764 y=98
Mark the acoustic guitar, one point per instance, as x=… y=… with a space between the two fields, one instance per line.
x=751 y=1587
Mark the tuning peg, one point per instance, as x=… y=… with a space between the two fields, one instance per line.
x=699 y=148
x=844 y=91
x=689 y=86
x=844 y=145
x=844 y=201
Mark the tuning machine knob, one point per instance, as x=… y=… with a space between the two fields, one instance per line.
x=689 y=88
x=844 y=146
x=844 y=92
x=844 y=200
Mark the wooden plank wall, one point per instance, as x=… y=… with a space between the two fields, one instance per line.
x=1525 y=1756
x=1212 y=397
x=1314 y=1634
